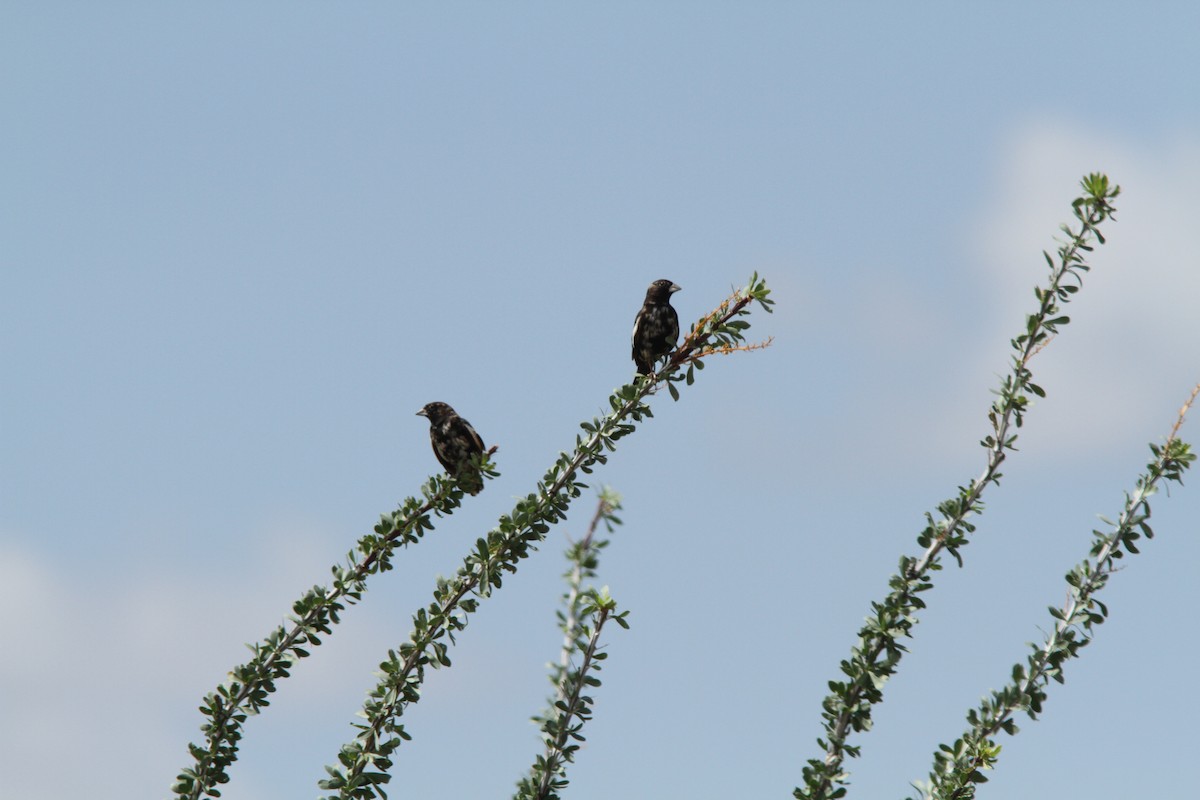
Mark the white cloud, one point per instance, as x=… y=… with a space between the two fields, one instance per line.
x=116 y=666
x=1127 y=361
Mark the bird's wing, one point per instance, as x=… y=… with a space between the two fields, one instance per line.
x=470 y=431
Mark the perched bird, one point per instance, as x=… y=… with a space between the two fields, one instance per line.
x=455 y=442
x=656 y=329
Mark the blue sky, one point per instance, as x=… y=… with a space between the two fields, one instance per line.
x=243 y=244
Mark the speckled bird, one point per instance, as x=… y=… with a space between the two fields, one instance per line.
x=455 y=442
x=656 y=328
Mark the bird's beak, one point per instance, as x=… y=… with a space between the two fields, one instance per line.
x=675 y=287
x=422 y=413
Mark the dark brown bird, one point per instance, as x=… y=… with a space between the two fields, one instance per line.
x=656 y=328
x=455 y=442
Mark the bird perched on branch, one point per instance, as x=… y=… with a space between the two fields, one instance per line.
x=656 y=328
x=455 y=442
